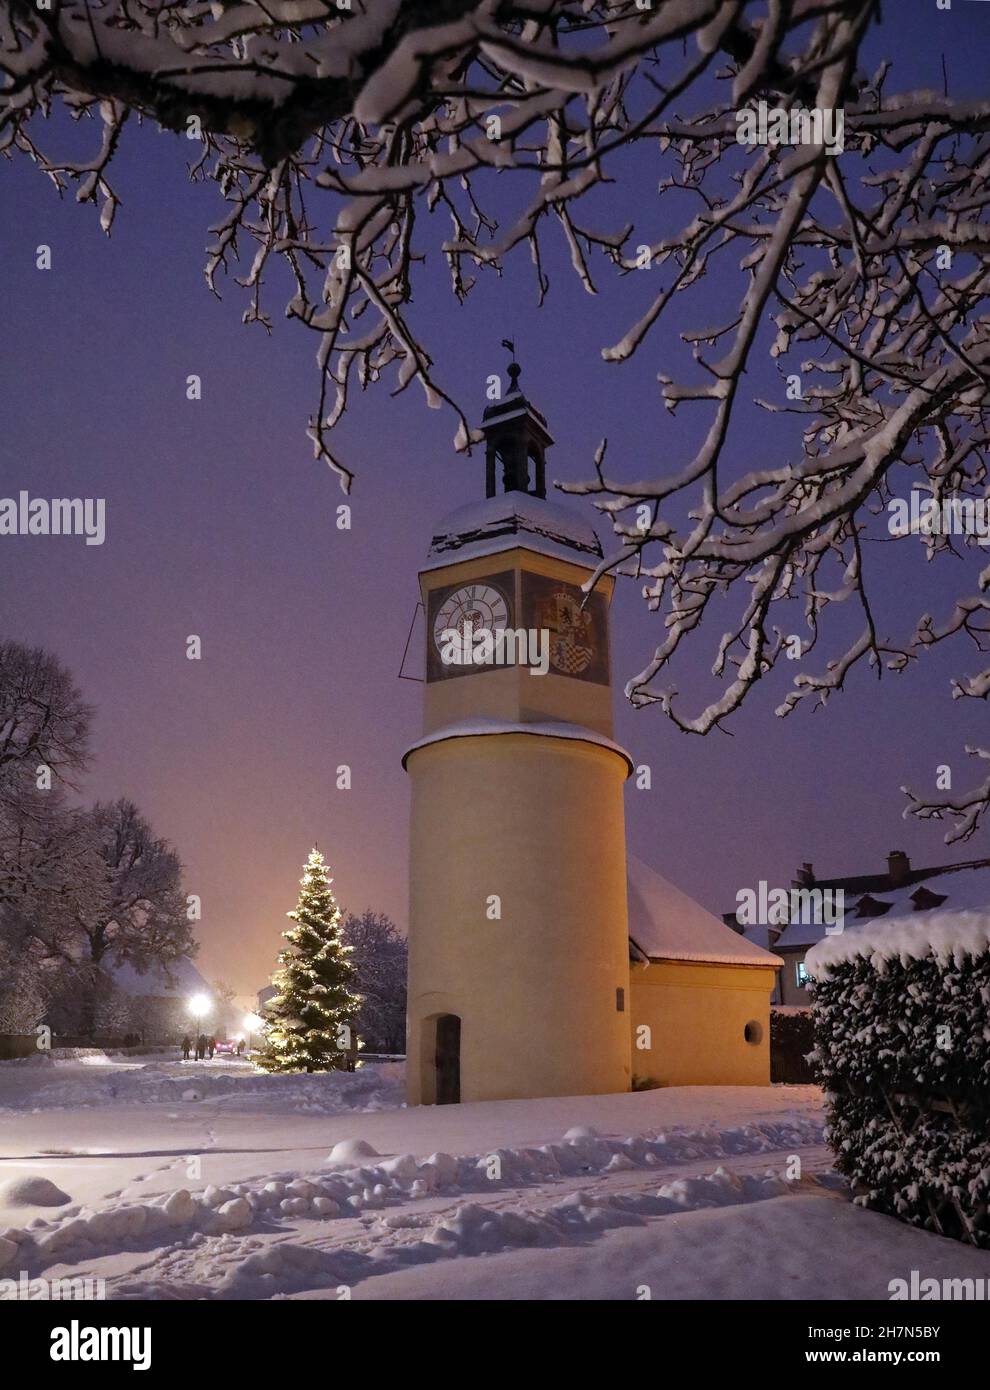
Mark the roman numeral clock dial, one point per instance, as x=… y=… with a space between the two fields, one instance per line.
x=481 y=605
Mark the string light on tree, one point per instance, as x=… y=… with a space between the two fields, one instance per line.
x=315 y=1005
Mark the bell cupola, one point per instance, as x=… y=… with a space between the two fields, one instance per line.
x=516 y=441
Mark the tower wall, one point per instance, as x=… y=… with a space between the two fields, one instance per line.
x=538 y=821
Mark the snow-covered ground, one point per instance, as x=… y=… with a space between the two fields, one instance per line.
x=172 y=1180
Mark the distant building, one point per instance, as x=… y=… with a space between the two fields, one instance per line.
x=895 y=893
x=160 y=996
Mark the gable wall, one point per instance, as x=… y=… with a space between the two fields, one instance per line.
x=697 y=1013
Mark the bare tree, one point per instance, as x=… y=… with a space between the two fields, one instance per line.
x=380 y=960
x=331 y=128
x=44 y=722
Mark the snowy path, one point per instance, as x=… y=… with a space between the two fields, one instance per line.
x=228 y=1193
x=244 y=1133
x=798 y=1247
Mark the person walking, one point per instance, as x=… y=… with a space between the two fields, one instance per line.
x=212 y=1045
x=200 y=1047
x=186 y=1047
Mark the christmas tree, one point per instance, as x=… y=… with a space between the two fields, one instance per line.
x=308 y=1023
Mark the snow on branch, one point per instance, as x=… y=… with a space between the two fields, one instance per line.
x=330 y=124
x=966 y=810
x=848 y=257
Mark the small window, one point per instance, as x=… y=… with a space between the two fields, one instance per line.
x=753 y=1032
x=620 y=1000
x=872 y=907
x=802 y=975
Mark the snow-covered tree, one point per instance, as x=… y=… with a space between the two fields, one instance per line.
x=307 y=1024
x=48 y=869
x=855 y=273
x=78 y=888
x=129 y=906
x=47 y=866
x=381 y=966
x=44 y=847
x=23 y=998
x=82 y=890
x=140 y=914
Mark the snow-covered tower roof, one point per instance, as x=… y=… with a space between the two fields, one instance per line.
x=516 y=440
x=511 y=521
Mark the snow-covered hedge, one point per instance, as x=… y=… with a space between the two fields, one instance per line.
x=902 y=1046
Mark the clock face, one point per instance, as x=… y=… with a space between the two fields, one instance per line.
x=484 y=604
x=481 y=605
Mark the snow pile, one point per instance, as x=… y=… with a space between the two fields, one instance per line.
x=475 y=1229
x=32 y=1192
x=351 y=1151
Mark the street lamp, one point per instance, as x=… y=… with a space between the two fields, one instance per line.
x=199 y=1005
x=252 y=1023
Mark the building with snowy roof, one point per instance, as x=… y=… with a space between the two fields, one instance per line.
x=541 y=962
x=177 y=980
x=159 y=995
x=898 y=892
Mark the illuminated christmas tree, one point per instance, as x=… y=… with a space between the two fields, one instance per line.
x=309 y=1021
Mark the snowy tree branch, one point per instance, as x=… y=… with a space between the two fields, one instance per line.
x=339 y=130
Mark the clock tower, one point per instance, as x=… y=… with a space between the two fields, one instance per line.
x=518 y=941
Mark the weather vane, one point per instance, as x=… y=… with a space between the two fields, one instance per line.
x=514 y=367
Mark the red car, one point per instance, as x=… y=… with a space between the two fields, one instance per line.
x=228 y=1046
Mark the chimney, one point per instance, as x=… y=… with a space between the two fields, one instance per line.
x=805 y=876
x=898 y=868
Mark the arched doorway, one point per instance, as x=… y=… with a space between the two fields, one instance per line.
x=448 y=1060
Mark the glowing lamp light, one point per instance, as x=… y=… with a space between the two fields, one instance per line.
x=199 y=1005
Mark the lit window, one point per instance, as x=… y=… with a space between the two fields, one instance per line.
x=802 y=975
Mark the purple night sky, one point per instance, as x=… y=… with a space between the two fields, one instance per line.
x=219 y=523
